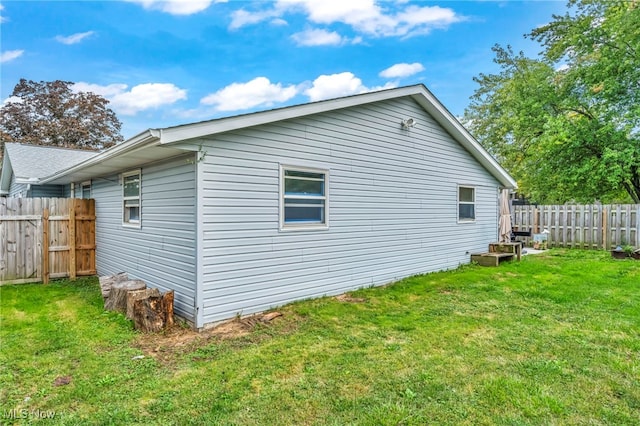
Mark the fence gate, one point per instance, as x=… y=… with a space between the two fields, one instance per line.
x=42 y=238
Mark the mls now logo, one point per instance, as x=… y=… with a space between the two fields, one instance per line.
x=29 y=414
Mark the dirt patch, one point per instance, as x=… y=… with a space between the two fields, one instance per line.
x=167 y=344
x=349 y=299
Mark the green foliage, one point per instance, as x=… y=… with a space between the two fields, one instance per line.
x=567 y=124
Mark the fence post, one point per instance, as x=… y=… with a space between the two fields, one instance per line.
x=72 y=240
x=45 y=246
x=605 y=228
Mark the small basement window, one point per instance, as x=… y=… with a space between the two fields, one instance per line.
x=303 y=201
x=131 y=183
x=466 y=204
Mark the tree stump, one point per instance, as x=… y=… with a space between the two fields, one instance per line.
x=134 y=295
x=117 y=299
x=106 y=282
x=153 y=313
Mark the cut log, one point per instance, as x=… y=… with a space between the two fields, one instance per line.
x=270 y=316
x=168 y=307
x=117 y=300
x=153 y=313
x=148 y=315
x=134 y=295
x=108 y=281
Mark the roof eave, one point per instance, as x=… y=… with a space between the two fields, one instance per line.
x=144 y=139
x=442 y=115
x=197 y=130
x=418 y=92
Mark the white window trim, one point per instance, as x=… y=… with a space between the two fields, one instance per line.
x=82 y=185
x=475 y=210
x=132 y=224
x=304 y=226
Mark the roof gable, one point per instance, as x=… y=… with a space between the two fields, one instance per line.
x=31 y=163
x=158 y=143
x=418 y=92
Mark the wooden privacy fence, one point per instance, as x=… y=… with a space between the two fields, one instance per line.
x=42 y=238
x=581 y=226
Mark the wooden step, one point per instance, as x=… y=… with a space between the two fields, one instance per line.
x=491 y=259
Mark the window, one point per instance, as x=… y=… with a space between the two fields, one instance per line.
x=131 y=198
x=85 y=190
x=466 y=204
x=303 y=202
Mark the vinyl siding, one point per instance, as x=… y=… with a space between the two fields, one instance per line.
x=46 y=191
x=162 y=251
x=392 y=207
x=17 y=190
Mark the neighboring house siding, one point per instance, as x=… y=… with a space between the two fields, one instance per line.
x=17 y=190
x=66 y=191
x=392 y=207
x=46 y=191
x=162 y=251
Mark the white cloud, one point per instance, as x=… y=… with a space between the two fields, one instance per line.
x=364 y=16
x=177 y=7
x=241 y=18
x=140 y=98
x=338 y=85
x=257 y=92
x=104 y=91
x=317 y=37
x=147 y=96
x=2 y=18
x=10 y=55
x=74 y=38
x=421 y=20
x=402 y=70
x=279 y=22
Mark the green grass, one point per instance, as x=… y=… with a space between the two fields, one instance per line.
x=554 y=339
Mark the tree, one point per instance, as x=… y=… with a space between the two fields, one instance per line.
x=567 y=124
x=51 y=113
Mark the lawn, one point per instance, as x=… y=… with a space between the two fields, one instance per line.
x=553 y=339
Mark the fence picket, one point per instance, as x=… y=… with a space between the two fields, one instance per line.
x=582 y=226
x=36 y=241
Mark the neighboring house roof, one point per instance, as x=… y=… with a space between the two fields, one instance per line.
x=31 y=163
x=155 y=144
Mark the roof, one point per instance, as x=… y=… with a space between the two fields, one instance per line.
x=161 y=143
x=31 y=163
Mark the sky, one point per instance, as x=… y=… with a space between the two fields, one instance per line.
x=171 y=62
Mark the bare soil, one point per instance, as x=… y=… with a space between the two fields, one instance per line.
x=167 y=344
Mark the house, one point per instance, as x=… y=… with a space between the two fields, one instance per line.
x=245 y=213
x=23 y=167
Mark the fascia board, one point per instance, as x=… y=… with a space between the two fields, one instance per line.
x=419 y=92
x=221 y=125
x=139 y=141
x=431 y=104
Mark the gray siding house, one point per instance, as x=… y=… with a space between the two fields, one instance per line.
x=242 y=214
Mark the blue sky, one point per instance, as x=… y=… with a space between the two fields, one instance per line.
x=163 y=63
